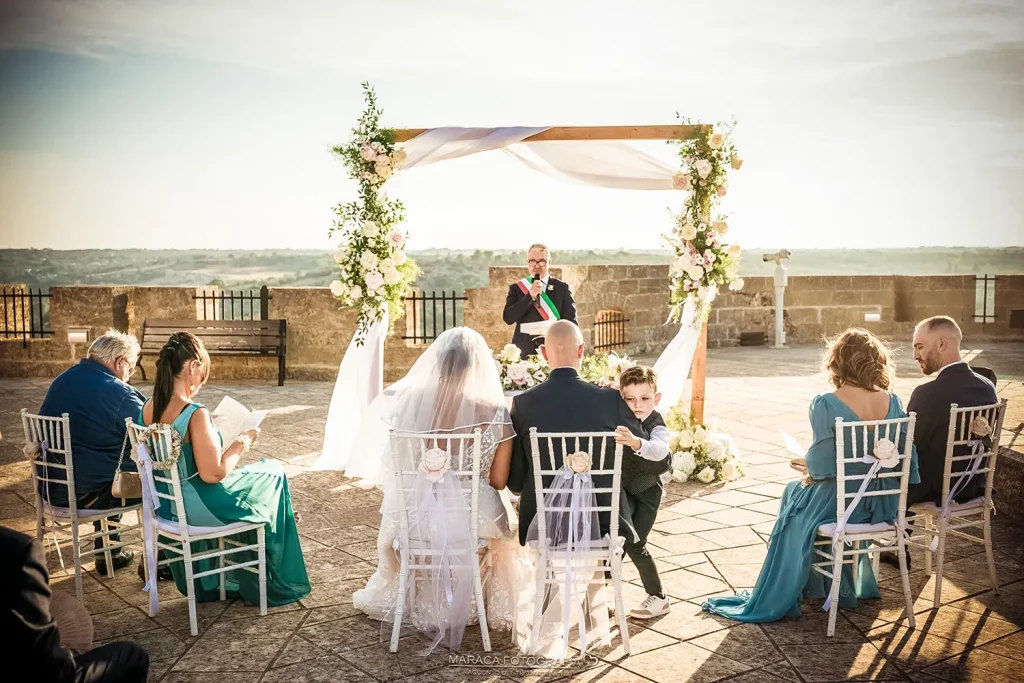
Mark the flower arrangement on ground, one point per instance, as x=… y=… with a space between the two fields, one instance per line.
x=375 y=272
x=703 y=260
x=518 y=373
x=699 y=454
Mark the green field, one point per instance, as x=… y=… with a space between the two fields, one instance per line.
x=446 y=269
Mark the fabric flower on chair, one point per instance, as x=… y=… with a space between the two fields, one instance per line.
x=435 y=464
x=980 y=427
x=886 y=453
x=31 y=450
x=579 y=462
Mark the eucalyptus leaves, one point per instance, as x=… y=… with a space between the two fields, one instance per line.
x=375 y=272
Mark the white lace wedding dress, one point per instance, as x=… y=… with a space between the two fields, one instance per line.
x=499 y=548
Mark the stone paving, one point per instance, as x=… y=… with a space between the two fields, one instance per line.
x=709 y=540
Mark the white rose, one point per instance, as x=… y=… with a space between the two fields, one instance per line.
x=435 y=464
x=688 y=230
x=578 y=462
x=367 y=153
x=703 y=167
x=706 y=475
x=716 y=450
x=399 y=157
x=539 y=376
x=368 y=260
x=734 y=250
x=337 y=288
x=387 y=264
x=374 y=280
x=392 y=276
x=700 y=435
x=721 y=227
x=679 y=476
x=398 y=257
x=376 y=146
x=356 y=292
x=695 y=272
x=396 y=238
x=517 y=372
x=687 y=462
x=511 y=353
x=340 y=255
x=887 y=453
x=370 y=229
x=736 y=162
x=730 y=470
x=736 y=285
x=685 y=438
x=716 y=140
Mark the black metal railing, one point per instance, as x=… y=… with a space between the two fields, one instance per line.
x=985 y=298
x=610 y=329
x=428 y=315
x=232 y=305
x=26 y=314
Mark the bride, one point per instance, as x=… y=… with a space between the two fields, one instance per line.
x=452 y=388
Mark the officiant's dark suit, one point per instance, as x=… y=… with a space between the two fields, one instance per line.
x=567 y=403
x=960 y=384
x=520 y=308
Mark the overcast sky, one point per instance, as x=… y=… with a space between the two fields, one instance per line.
x=205 y=123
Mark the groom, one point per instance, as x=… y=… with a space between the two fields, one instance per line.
x=535 y=298
x=567 y=403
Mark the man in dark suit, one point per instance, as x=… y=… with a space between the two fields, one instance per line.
x=30 y=641
x=937 y=351
x=567 y=403
x=536 y=298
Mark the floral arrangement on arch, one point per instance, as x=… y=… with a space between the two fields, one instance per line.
x=699 y=454
x=605 y=369
x=704 y=261
x=518 y=373
x=375 y=272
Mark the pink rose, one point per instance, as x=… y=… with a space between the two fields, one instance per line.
x=703 y=167
x=681 y=181
x=367 y=153
x=396 y=239
x=722 y=189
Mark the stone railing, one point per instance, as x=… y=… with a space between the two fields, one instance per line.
x=319 y=332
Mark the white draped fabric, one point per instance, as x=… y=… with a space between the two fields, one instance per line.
x=601 y=163
x=360 y=381
x=673 y=365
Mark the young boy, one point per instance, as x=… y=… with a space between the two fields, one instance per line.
x=641 y=492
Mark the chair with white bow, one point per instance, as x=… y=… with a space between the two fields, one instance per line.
x=48 y=445
x=873 y=442
x=572 y=565
x=976 y=429
x=157 y=457
x=437 y=501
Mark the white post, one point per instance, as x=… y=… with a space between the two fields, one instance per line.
x=780 y=295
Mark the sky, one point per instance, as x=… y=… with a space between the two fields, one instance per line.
x=207 y=123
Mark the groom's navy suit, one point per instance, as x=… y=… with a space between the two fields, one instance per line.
x=966 y=387
x=519 y=308
x=566 y=403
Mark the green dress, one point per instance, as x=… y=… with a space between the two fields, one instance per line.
x=256 y=493
x=786 y=575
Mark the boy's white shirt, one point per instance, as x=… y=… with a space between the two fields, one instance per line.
x=656 y=448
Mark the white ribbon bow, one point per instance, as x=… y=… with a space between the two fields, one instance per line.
x=978 y=451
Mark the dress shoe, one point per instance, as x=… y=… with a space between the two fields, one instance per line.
x=122 y=558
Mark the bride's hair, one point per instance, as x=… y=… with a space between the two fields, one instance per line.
x=859 y=359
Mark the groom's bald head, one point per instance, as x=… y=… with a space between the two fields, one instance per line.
x=563 y=345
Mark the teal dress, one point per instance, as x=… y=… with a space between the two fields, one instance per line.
x=786 y=575
x=257 y=493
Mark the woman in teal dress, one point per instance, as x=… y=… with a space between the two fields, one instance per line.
x=861 y=369
x=217 y=492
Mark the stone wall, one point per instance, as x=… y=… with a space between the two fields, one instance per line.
x=319 y=333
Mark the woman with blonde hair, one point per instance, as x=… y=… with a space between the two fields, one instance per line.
x=860 y=368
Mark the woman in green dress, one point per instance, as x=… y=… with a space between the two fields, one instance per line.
x=861 y=369
x=216 y=491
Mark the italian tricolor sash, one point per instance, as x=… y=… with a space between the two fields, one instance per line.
x=544 y=305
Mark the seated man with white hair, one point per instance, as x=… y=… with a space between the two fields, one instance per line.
x=97 y=398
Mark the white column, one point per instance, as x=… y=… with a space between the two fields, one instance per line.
x=780 y=295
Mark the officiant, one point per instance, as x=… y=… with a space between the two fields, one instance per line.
x=537 y=298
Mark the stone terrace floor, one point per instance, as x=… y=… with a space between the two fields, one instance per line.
x=709 y=540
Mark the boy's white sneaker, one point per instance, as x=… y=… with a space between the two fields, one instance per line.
x=652 y=607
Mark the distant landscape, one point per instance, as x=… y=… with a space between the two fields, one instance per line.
x=446 y=269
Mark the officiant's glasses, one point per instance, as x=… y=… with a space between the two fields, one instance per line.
x=538 y=262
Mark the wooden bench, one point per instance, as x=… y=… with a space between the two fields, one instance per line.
x=246 y=338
